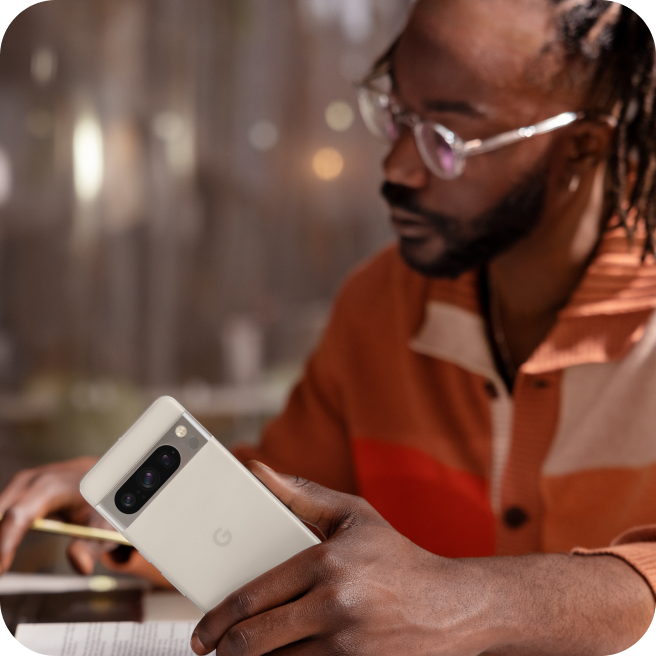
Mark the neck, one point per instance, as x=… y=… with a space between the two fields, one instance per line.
x=531 y=282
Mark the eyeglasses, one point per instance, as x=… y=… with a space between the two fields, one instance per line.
x=442 y=151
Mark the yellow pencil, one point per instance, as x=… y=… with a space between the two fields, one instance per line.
x=76 y=531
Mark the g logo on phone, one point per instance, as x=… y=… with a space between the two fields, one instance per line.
x=222 y=538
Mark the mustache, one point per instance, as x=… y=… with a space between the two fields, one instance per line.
x=405 y=198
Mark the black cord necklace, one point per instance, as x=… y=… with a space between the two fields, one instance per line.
x=494 y=328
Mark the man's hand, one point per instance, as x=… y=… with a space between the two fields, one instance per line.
x=43 y=491
x=367 y=590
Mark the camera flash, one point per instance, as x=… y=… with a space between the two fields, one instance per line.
x=180 y=431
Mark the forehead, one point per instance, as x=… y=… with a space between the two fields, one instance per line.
x=490 y=53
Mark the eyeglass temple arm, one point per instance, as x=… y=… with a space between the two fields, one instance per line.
x=476 y=146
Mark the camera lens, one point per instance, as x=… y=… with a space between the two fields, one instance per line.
x=128 y=500
x=166 y=460
x=148 y=479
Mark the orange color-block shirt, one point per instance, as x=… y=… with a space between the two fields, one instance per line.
x=401 y=403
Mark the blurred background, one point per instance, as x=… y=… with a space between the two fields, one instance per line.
x=184 y=184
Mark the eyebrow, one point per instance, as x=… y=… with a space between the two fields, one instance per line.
x=456 y=107
x=450 y=106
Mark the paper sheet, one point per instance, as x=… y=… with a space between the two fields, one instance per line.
x=108 y=638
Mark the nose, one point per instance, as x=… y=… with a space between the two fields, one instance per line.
x=403 y=164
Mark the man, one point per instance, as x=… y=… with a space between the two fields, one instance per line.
x=488 y=385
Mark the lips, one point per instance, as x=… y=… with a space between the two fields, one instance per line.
x=411 y=226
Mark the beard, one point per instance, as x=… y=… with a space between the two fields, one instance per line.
x=472 y=243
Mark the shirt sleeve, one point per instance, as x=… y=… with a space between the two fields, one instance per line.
x=636 y=547
x=310 y=438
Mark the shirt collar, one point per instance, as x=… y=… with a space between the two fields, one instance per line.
x=605 y=316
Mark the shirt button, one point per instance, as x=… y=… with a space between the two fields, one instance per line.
x=515 y=517
x=491 y=389
x=540 y=383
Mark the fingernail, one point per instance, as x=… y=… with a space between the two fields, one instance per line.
x=86 y=562
x=261 y=464
x=196 y=645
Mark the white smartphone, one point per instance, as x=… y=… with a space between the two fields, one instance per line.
x=190 y=507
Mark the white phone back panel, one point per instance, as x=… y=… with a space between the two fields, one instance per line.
x=213 y=494
x=130 y=448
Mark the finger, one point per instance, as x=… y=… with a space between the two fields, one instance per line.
x=279 y=586
x=326 y=509
x=35 y=503
x=88 y=516
x=274 y=629
x=16 y=488
x=62 y=480
x=84 y=554
x=126 y=560
x=12 y=530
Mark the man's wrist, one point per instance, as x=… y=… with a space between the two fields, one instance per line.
x=488 y=591
x=502 y=619
x=560 y=604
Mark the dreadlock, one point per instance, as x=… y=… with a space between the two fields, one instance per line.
x=620 y=46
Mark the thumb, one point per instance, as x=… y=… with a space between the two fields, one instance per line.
x=84 y=554
x=331 y=512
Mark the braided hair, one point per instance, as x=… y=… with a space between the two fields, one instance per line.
x=620 y=47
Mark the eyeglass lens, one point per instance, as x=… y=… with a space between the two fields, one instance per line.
x=436 y=153
x=377 y=115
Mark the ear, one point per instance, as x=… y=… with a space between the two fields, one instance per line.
x=583 y=146
x=588 y=143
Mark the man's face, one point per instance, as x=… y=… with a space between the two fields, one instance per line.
x=475 y=67
x=465 y=245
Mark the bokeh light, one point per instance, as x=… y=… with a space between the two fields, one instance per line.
x=5 y=177
x=88 y=157
x=328 y=163
x=263 y=135
x=339 y=116
x=43 y=66
x=177 y=133
x=169 y=126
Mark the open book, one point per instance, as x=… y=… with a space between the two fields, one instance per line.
x=108 y=638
